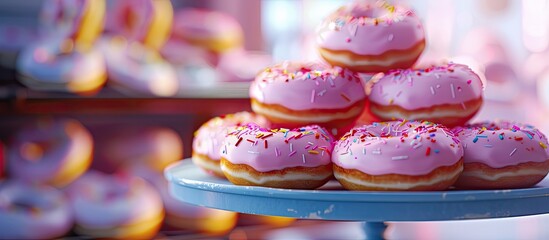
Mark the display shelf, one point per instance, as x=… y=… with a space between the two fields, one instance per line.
x=190 y=184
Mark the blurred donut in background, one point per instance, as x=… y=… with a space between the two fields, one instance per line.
x=145 y=21
x=64 y=59
x=153 y=147
x=185 y=216
x=240 y=65
x=135 y=68
x=212 y=30
x=137 y=30
x=53 y=151
x=490 y=53
x=79 y=20
x=115 y=206
x=30 y=211
x=60 y=65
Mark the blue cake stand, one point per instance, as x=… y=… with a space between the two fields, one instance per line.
x=190 y=184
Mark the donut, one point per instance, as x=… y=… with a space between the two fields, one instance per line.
x=146 y=21
x=294 y=94
x=207 y=141
x=449 y=94
x=136 y=68
x=501 y=155
x=115 y=206
x=53 y=65
x=154 y=146
x=241 y=65
x=398 y=156
x=184 y=216
x=279 y=158
x=53 y=151
x=81 y=21
x=212 y=30
x=367 y=37
x=30 y=211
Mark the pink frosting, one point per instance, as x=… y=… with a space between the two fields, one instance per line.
x=305 y=86
x=370 y=29
x=502 y=144
x=267 y=150
x=397 y=147
x=209 y=137
x=202 y=23
x=63 y=17
x=414 y=89
x=103 y=201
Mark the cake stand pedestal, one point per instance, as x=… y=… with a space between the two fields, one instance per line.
x=190 y=184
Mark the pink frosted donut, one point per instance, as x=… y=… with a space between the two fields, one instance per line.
x=294 y=94
x=55 y=65
x=145 y=21
x=211 y=30
x=208 y=139
x=79 y=20
x=281 y=158
x=448 y=94
x=398 y=155
x=50 y=151
x=32 y=212
x=502 y=155
x=153 y=146
x=185 y=216
x=136 y=68
x=115 y=206
x=367 y=37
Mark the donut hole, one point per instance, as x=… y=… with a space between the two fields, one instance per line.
x=27 y=204
x=32 y=151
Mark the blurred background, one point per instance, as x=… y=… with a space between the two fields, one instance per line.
x=160 y=90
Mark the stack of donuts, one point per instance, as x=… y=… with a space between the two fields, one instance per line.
x=64 y=57
x=416 y=139
x=61 y=181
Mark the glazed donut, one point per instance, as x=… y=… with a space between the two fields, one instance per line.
x=502 y=155
x=398 y=156
x=184 y=216
x=296 y=94
x=280 y=158
x=137 y=68
x=208 y=139
x=121 y=207
x=81 y=20
x=154 y=147
x=32 y=211
x=52 y=65
x=145 y=21
x=448 y=94
x=54 y=151
x=211 y=30
x=366 y=37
